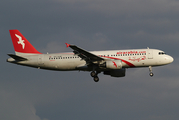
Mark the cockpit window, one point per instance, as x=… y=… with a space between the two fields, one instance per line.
x=162 y=53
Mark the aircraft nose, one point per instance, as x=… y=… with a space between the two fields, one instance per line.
x=169 y=59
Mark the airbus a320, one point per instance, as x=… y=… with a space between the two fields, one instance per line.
x=111 y=62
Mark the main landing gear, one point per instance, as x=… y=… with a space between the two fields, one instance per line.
x=95 y=76
x=150 y=70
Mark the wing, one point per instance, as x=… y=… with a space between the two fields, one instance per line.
x=85 y=55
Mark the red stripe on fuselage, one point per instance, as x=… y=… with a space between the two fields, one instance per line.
x=128 y=63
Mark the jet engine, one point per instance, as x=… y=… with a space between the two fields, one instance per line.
x=116 y=73
x=112 y=64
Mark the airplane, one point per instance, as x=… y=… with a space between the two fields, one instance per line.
x=111 y=62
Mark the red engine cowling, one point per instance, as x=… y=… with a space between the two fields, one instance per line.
x=114 y=64
x=116 y=73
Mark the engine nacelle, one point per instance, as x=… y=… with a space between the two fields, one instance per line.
x=114 y=64
x=116 y=73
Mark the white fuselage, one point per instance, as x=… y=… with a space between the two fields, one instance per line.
x=112 y=62
x=70 y=61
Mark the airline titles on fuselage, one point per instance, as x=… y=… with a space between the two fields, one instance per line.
x=132 y=52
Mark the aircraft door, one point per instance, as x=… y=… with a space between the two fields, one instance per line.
x=40 y=60
x=150 y=54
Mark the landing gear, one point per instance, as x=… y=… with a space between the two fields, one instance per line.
x=151 y=74
x=150 y=70
x=95 y=76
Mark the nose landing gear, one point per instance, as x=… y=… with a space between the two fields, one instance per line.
x=150 y=70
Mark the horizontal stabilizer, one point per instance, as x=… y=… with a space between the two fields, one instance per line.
x=17 y=57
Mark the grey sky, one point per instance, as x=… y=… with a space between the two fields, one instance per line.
x=32 y=94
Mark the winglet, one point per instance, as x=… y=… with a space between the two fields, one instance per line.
x=67 y=44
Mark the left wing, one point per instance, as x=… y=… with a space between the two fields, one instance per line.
x=85 y=55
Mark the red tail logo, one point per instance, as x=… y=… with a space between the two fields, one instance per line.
x=21 y=44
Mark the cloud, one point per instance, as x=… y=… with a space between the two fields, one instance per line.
x=129 y=7
x=16 y=107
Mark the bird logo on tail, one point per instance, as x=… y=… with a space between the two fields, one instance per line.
x=20 y=41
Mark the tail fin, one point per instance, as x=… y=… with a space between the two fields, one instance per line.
x=21 y=45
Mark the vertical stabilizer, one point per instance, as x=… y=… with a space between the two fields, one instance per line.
x=21 y=45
